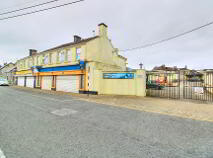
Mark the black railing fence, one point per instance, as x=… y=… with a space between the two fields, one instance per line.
x=180 y=85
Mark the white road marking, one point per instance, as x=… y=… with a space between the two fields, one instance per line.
x=2 y=154
x=64 y=112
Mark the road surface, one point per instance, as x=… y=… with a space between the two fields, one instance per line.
x=37 y=125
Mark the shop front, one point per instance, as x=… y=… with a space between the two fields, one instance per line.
x=64 y=78
x=25 y=79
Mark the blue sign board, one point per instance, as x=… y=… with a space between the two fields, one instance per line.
x=118 y=75
x=62 y=68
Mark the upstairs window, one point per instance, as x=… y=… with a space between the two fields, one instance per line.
x=61 y=56
x=78 y=53
x=46 y=60
x=69 y=55
x=30 y=63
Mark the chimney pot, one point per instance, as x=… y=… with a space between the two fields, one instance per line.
x=32 y=52
x=77 y=38
x=103 y=25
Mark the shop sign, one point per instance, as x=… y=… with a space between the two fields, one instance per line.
x=35 y=70
x=118 y=75
x=24 y=72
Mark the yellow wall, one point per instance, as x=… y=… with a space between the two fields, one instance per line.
x=136 y=86
x=37 y=60
x=98 y=50
x=99 y=54
x=101 y=50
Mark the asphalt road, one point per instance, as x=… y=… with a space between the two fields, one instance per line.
x=36 y=125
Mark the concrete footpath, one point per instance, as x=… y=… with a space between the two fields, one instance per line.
x=180 y=108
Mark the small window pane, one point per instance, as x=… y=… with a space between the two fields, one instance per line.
x=78 y=53
x=46 y=60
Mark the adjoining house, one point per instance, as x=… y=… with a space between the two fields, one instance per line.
x=194 y=76
x=71 y=67
x=7 y=71
x=165 y=75
x=180 y=83
x=164 y=68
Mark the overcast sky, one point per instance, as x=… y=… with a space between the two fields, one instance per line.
x=131 y=23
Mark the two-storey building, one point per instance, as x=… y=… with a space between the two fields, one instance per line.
x=70 y=67
x=7 y=71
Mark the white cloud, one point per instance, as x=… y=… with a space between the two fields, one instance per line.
x=131 y=24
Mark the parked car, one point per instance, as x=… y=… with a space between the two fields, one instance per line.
x=154 y=85
x=3 y=82
x=195 y=80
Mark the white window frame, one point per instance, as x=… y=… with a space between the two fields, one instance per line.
x=78 y=54
x=62 y=56
x=46 y=59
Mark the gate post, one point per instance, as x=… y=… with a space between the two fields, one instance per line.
x=140 y=83
x=181 y=84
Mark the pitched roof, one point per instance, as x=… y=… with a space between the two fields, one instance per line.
x=11 y=69
x=71 y=43
x=165 y=68
x=122 y=57
x=65 y=45
x=6 y=65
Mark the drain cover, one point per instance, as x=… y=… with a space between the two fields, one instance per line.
x=64 y=112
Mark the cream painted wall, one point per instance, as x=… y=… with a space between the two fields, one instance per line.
x=92 y=68
x=101 y=50
x=39 y=58
x=54 y=57
x=136 y=86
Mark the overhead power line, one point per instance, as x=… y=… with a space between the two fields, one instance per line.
x=167 y=39
x=33 y=6
x=17 y=5
x=41 y=10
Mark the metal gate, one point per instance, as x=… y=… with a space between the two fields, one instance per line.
x=181 y=85
x=198 y=86
x=164 y=85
